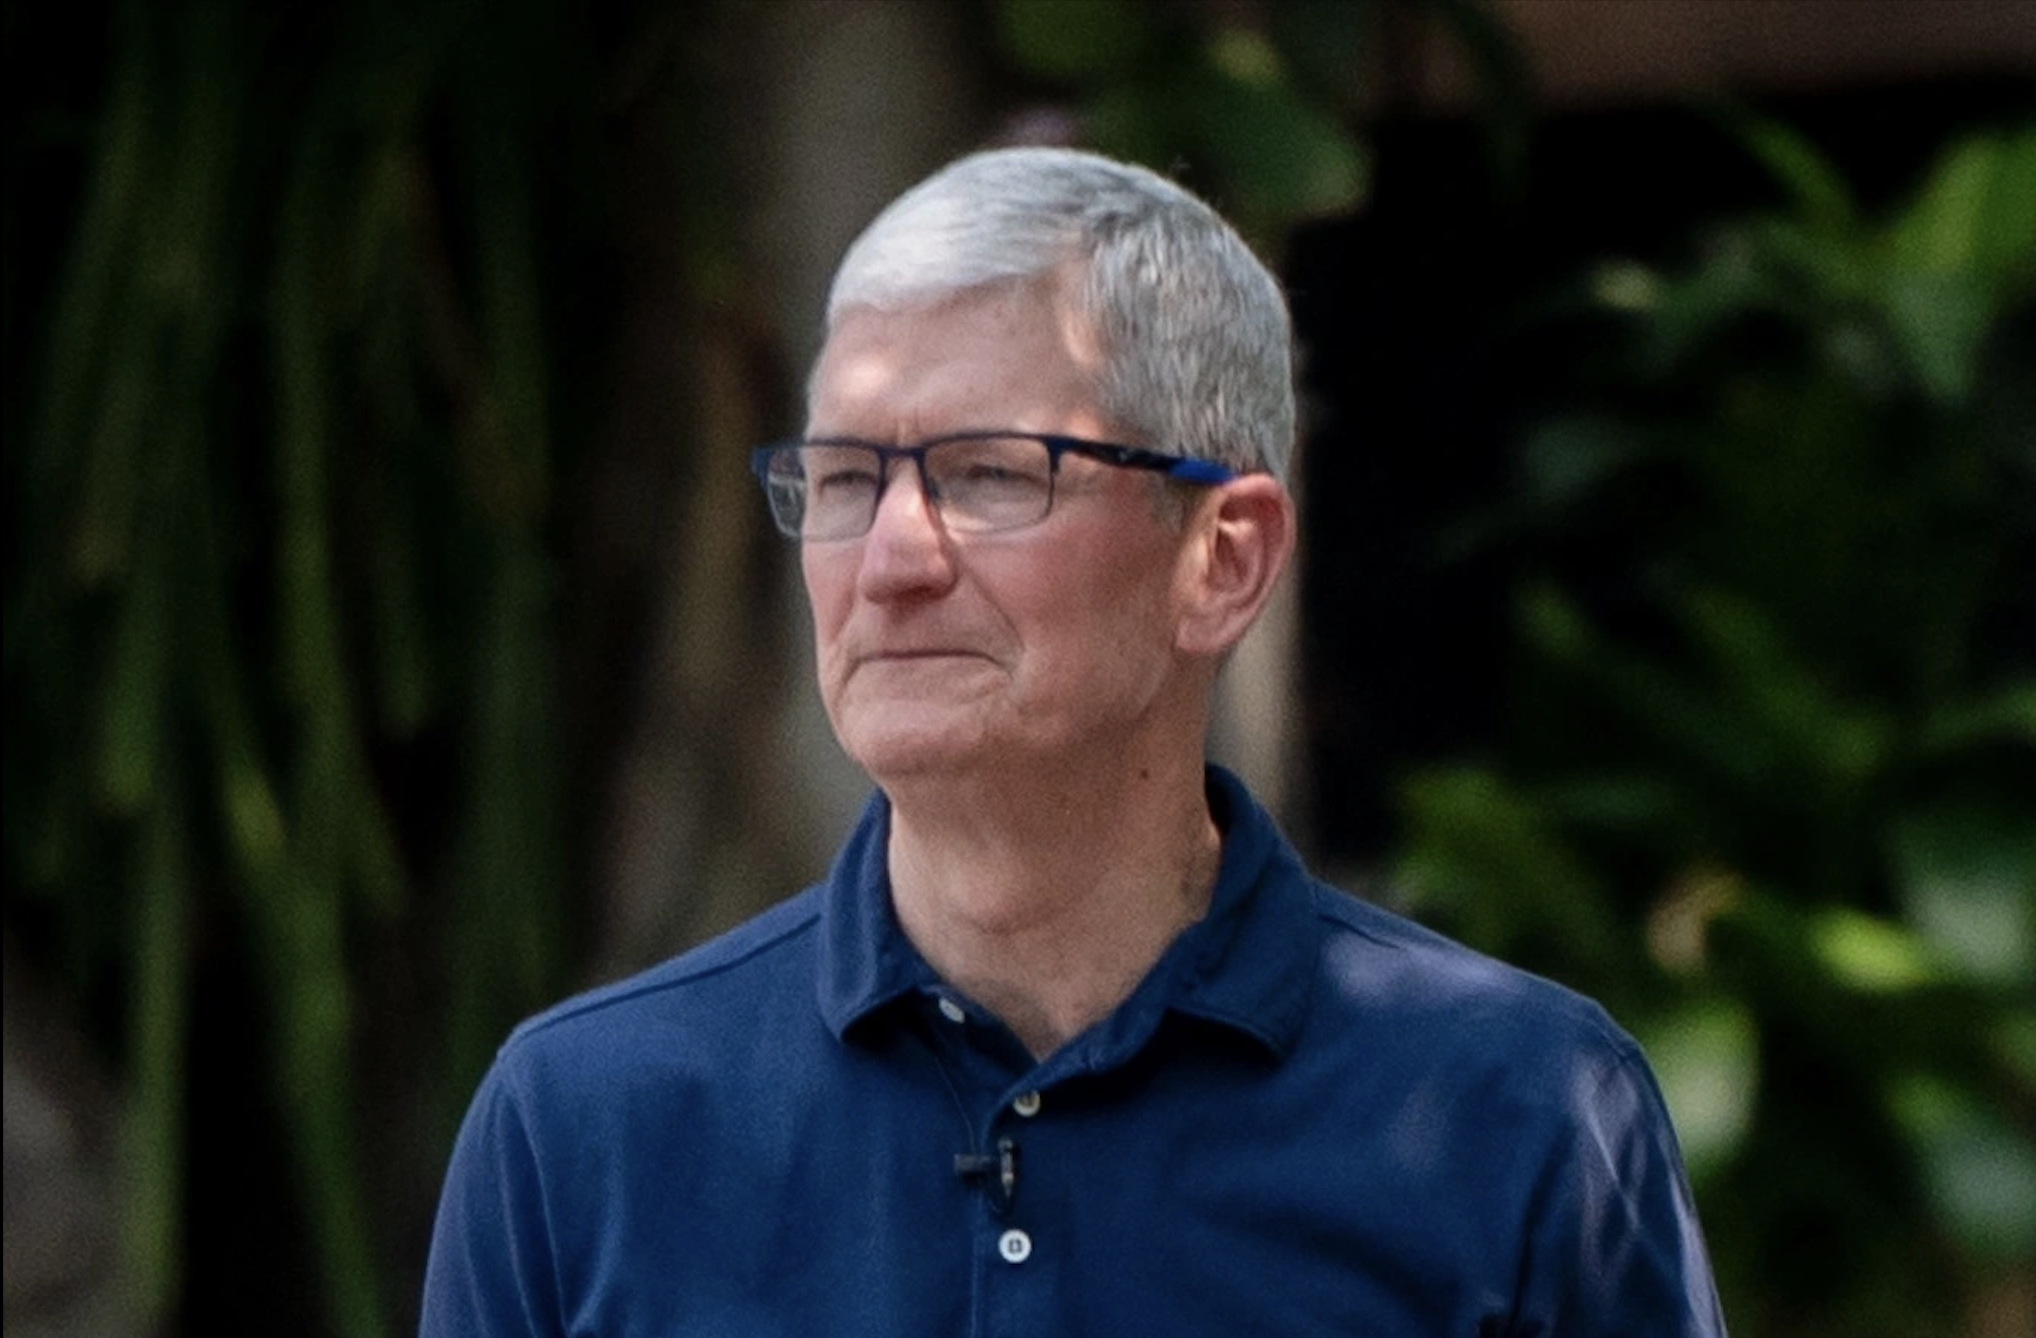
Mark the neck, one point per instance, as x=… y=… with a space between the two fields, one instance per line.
x=1047 y=903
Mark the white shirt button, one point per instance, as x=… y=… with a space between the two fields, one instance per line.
x=1015 y=1246
x=951 y=1010
x=1026 y=1104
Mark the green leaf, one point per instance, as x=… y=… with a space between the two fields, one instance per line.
x=1689 y=310
x=1939 y=319
x=298 y=916
x=1494 y=863
x=1775 y=689
x=1967 y=876
x=1868 y=954
x=154 y=1126
x=1616 y=800
x=308 y=634
x=2014 y=1041
x=2009 y=715
x=1504 y=77
x=1979 y=1170
x=1135 y=122
x=1627 y=285
x=1074 y=39
x=1975 y=215
x=1328 y=43
x=377 y=867
x=2005 y=245
x=1682 y=713
x=1567 y=460
x=1706 y=1056
x=94 y=308
x=1965 y=246
x=1282 y=158
x=1817 y=192
x=505 y=950
x=131 y=714
x=254 y=820
x=129 y=397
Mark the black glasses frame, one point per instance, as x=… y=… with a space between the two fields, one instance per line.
x=1178 y=467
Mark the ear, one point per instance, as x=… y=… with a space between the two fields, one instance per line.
x=1238 y=541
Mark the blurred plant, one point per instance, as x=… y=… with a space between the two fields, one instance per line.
x=1253 y=104
x=1167 y=86
x=279 y=600
x=1771 y=787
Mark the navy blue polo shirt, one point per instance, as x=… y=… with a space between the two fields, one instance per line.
x=1311 y=1117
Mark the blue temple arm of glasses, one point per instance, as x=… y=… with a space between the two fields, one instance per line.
x=1200 y=471
x=1136 y=457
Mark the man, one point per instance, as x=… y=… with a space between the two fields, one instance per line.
x=1067 y=1042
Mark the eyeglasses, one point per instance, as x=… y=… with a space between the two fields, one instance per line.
x=979 y=482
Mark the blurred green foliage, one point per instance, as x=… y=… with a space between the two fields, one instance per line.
x=1257 y=106
x=1770 y=786
x=1176 y=85
x=279 y=609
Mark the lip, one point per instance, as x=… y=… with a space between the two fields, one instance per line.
x=933 y=653
x=906 y=657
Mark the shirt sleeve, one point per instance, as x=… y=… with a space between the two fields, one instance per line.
x=492 y=1268
x=1614 y=1247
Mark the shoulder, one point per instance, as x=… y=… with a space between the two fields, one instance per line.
x=1523 y=1071
x=1382 y=972
x=738 y=979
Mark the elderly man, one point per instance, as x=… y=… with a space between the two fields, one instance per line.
x=1067 y=1042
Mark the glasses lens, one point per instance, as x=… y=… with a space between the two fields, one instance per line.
x=823 y=492
x=991 y=483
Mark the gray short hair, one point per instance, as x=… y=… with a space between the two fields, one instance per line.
x=1196 y=337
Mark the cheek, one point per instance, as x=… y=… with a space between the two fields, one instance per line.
x=830 y=600
x=830 y=583
x=1101 y=629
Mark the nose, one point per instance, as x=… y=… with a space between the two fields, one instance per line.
x=907 y=550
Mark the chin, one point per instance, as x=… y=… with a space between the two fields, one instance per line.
x=899 y=756
x=900 y=749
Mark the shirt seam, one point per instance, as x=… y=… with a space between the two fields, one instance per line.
x=623 y=992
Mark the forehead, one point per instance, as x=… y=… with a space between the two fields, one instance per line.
x=1009 y=355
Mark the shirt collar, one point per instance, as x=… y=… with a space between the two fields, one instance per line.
x=1249 y=964
x=865 y=959
x=1253 y=955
